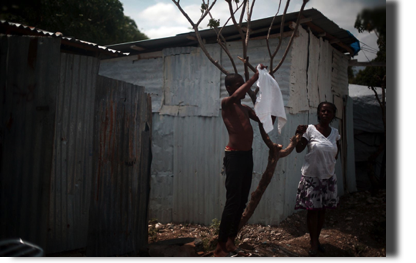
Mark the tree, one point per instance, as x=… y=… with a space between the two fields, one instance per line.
x=275 y=151
x=374 y=20
x=99 y=21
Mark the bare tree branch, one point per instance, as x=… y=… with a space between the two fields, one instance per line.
x=206 y=12
x=242 y=13
x=292 y=37
x=245 y=42
x=222 y=41
x=245 y=61
x=282 y=22
x=198 y=36
x=230 y=7
x=270 y=29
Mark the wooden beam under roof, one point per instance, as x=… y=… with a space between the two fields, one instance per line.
x=134 y=47
x=318 y=31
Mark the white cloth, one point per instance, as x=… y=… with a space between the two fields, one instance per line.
x=320 y=159
x=269 y=101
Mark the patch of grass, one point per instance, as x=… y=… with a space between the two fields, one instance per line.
x=215 y=225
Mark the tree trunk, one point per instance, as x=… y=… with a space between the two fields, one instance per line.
x=275 y=153
x=375 y=182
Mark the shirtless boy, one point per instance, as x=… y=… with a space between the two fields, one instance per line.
x=238 y=160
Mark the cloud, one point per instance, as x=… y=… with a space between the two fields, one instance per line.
x=159 y=14
x=165 y=31
x=346 y=11
x=165 y=19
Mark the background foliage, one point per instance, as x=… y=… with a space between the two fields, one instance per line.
x=98 y=21
x=372 y=20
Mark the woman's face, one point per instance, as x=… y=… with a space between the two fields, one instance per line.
x=326 y=113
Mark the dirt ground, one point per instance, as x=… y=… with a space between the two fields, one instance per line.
x=357 y=228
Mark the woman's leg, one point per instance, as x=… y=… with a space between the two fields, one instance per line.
x=313 y=227
x=321 y=221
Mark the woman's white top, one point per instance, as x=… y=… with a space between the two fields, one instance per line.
x=320 y=159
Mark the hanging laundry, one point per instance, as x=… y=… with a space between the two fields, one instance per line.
x=269 y=101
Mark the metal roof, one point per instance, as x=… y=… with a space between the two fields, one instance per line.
x=321 y=26
x=70 y=43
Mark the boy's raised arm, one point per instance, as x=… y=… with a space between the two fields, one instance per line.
x=242 y=90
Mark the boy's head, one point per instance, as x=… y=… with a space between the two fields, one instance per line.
x=232 y=82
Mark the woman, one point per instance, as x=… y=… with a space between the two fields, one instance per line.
x=317 y=188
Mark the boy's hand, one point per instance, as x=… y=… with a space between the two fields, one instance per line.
x=262 y=66
x=256 y=75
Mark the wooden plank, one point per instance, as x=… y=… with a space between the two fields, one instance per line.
x=313 y=71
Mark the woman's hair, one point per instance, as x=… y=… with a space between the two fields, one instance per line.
x=334 y=108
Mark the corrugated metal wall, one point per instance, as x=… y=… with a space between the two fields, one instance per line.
x=191 y=82
x=198 y=187
x=46 y=158
x=29 y=77
x=188 y=148
x=121 y=173
x=72 y=160
x=146 y=72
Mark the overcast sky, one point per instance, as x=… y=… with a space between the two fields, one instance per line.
x=161 y=18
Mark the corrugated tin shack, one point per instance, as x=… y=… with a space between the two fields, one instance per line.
x=188 y=133
x=75 y=146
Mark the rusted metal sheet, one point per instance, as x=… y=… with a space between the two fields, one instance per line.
x=29 y=77
x=72 y=160
x=121 y=174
